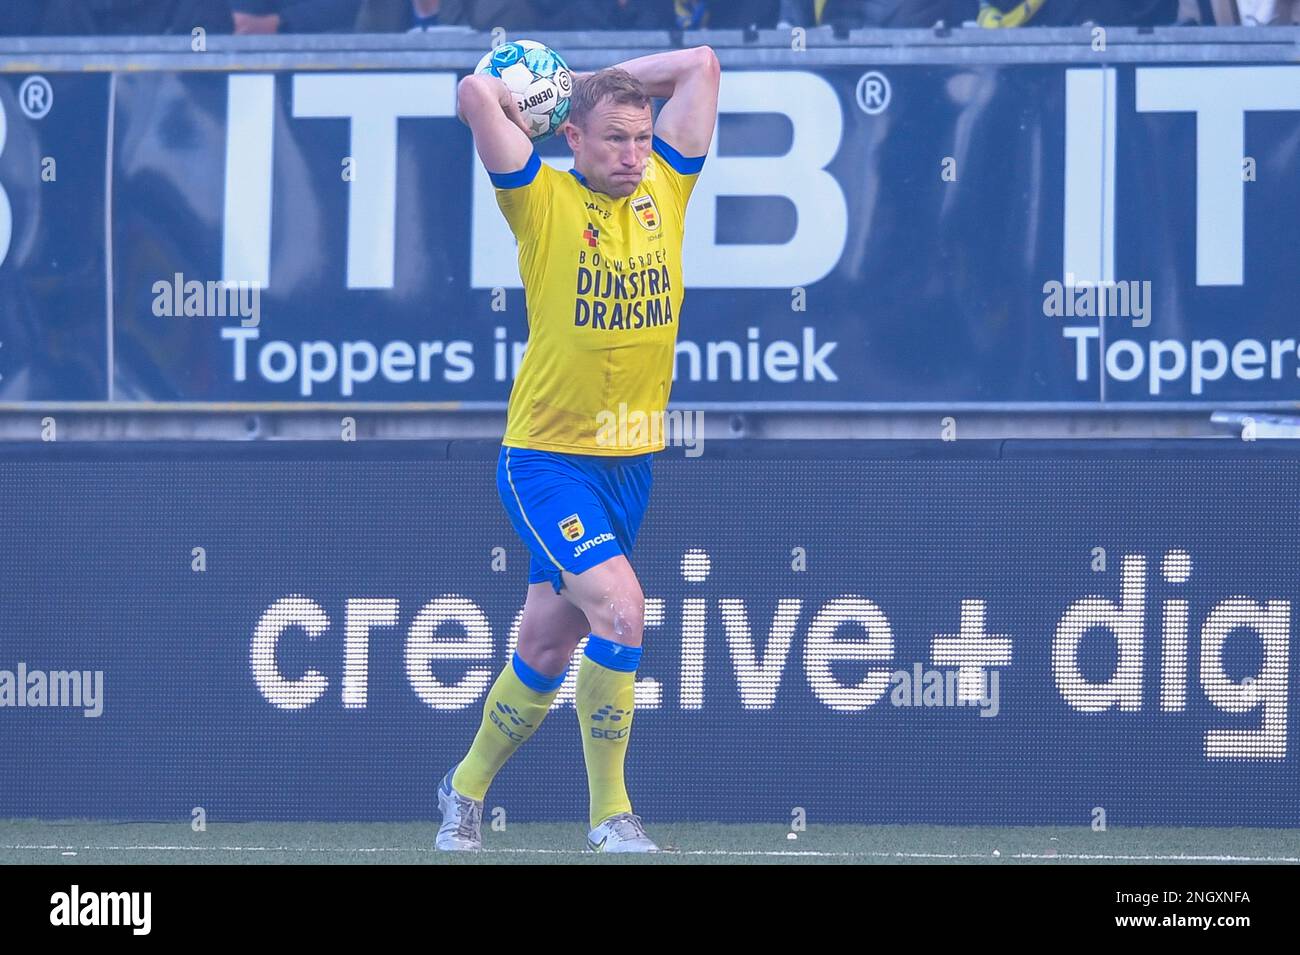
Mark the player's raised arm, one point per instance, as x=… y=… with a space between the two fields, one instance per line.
x=688 y=79
x=485 y=104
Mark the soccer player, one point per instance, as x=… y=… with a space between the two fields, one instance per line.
x=600 y=256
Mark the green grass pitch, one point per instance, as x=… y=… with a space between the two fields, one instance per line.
x=74 y=842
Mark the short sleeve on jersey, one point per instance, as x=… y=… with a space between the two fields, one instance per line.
x=525 y=195
x=684 y=165
x=683 y=171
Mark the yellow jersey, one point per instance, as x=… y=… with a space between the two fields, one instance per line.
x=603 y=281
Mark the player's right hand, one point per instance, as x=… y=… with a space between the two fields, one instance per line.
x=501 y=93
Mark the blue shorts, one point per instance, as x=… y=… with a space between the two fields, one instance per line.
x=573 y=511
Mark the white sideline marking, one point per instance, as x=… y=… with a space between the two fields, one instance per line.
x=790 y=853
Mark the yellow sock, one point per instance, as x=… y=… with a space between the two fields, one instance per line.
x=606 y=694
x=516 y=705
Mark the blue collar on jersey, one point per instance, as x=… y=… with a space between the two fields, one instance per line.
x=583 y=179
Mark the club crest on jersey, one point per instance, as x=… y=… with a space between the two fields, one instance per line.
x=646 y=213
x=591 y=234
x=571 y=527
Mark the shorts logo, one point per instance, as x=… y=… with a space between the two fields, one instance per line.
x=571 y=527
x=646 y=213
x=591 y=542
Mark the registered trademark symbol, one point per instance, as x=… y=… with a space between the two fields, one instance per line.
x=873 y=93
x=36 y=97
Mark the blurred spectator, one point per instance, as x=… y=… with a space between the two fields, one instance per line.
x=112 y=17
x=1262 y=13
x=606 y=14
x=1207 y=12
x=1063 y=13
x=390 y=16
x=160 y=16
x=1006 y=15
x=400 y=16
x=852 y=14
x=691 y=14
x=510 y=14
x=294 y=16
x=724 y=14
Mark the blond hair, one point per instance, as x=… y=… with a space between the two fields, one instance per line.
x=613 y=84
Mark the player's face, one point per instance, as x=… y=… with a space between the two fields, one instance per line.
x=611 y=147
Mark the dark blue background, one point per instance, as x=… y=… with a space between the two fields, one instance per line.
x=54 y=281
x=96 y=563
x=937 y=296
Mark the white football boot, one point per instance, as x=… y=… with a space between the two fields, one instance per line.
x=621 y=833
x=462 y=820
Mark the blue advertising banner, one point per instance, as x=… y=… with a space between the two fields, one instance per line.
x=1097 y=235
x=54 y=329
x=917 y=234
x=962 y=633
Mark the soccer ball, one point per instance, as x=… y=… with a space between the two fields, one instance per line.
x=539 y=79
